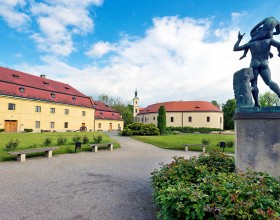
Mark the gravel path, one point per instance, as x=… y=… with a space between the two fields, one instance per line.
x=101 y=186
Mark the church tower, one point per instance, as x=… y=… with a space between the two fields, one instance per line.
x=135 y=106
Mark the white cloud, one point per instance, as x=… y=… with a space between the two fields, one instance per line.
x=174 y=61
x=57 y=21
x=99 y=49
x=11 y=11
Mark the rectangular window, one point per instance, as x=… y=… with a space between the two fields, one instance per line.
x=12 y=106
x=135 y=110
x=99 y=125
x=66 y=111
x=37 y=108
x=190 y=119
x=172 y=119
x=154 y=118
x=37 y=124
x=52 y=111
x=52 y=125
x=65 y=124
x=142 y=119
x=83 y=113
x=208 y=119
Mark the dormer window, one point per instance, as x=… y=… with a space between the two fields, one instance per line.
x=67 y=88
x=74 y=99
x=21 y=89
x=197 y=106
x=15 y=76
x=52 y=95
x=46 y=83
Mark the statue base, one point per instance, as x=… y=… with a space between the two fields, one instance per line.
x=257 y=141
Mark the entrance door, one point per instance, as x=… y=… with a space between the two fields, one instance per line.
x=110 y=127
x=10 y=126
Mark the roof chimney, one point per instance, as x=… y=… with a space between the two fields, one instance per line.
x=43 y=76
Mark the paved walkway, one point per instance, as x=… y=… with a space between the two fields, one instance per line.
x=101 y=186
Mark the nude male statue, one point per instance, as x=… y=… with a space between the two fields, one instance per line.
x=264 y=30
x=260 y=50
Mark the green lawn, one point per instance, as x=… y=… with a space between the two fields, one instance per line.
x=36 y=140
x=176 y=141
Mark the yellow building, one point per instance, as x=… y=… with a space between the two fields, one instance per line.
x=181 y=114
x=38 y=103
x=107 y=119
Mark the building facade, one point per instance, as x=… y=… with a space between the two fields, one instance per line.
x=38 y=103
x=184 y=113
x=107 y=119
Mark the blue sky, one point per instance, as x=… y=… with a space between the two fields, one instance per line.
x=168 y=49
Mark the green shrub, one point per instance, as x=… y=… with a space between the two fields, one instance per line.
x=229 y=143
x=2 y=130
x=47 y=141
x=140 y=129
x=127 y=132
x=206 y=187
x=28 y=129
x=61 y=140
x=12 y=144
x=205 y=141
x=188 y=129
x=34 y=145
x=97 y=139
x=85 y=140
x=76 y=139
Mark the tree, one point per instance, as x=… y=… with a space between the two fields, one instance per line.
x=104 y=98
x=269 y=99
x=215 y=103
x=161 y=120
x=117 y=104
x=229 y=110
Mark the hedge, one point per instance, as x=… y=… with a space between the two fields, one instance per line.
x=140 y=129
x=187 y=129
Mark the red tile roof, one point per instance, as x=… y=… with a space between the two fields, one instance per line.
x=19 y=84
x=182 y=106
x=107 y=115
x=103 y=111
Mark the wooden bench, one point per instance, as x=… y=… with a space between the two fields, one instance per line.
x=21 y=155
x=106 y=145
x=203 y=146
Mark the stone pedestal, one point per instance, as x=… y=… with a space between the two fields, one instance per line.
x=258 y=142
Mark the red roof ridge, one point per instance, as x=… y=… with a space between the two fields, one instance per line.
x=182 y=106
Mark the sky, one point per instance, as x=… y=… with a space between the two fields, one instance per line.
x=169 y=50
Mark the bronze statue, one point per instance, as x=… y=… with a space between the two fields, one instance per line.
x=259 y=46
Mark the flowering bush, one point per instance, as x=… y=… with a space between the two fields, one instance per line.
x=206 y=187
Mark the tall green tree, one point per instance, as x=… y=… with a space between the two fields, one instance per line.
x=124 y=108
x=229 y=110
x=269 y=99
x=161 y=120
x=214 y=102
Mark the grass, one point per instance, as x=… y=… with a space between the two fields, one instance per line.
x=175 y=142
x=36 y=140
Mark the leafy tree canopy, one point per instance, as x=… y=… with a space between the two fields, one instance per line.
x=229 y=110
x=123 y=107
x=214 y=102
x=269 y=99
